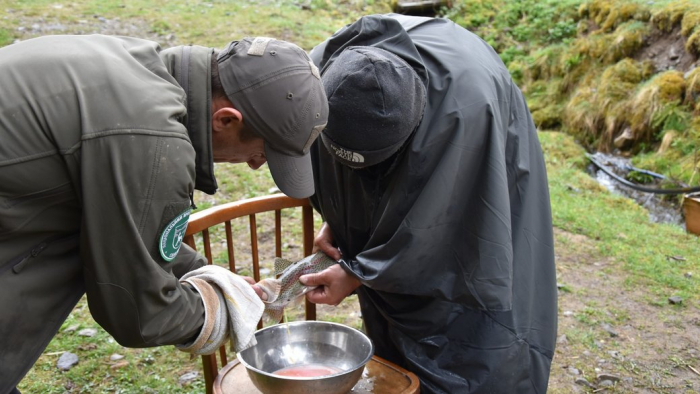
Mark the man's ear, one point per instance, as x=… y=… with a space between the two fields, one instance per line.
x=226 y=118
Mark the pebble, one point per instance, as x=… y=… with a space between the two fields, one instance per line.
x=675 y=300
x=606 y=383
x=67 y=361
x=608 y=376
x=562 y=340
x=608 y=328
x=188 y=377
x=573 y=371
x=568 y=313
x=87 y=332
x=71 y=328
x=584 y=382
x=116 y=357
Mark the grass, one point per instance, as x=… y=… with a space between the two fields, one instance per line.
x=620 y=226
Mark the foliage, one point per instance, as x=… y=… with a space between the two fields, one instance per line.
x=575 y=63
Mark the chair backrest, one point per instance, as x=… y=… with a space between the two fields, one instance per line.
x=209 y=221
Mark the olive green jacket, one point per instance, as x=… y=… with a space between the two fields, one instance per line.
x=95 y=162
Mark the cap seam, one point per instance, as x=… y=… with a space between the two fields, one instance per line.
x=270 y=77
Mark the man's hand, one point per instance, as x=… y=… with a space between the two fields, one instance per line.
x=334 y=284
x=256 y=288
x=324 y=242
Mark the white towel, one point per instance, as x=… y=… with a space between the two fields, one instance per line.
x=232 y=310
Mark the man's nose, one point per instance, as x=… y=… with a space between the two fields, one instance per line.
x=256 y=162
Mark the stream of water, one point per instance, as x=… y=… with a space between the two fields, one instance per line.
x=660 y=210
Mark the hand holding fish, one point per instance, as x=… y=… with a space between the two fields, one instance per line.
x=286 y=287
x=333 y=285
x=324 y=242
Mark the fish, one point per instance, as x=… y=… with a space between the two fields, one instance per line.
x=286 y=287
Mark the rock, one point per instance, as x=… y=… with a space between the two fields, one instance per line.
x=87 y=332
x=608 y=376
x=624 y=140
x=615 y=354
x=608 y=328
x=605 y=383
x=188 y=377
x=71 y=328
x=584 y=382
x=562 y=340
x=675 y=300
x=568 y=313
x=67 y=361
x=688 y=275
x=573 y=371
x=116 y=357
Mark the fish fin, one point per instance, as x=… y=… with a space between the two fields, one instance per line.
x=281 y=264
x=296 y=301
x=272 y=316
x=271 y=287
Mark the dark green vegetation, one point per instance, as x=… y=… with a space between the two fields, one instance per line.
x=603 y=69
x=586 y=70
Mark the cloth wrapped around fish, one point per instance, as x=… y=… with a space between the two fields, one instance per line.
x=232 y=309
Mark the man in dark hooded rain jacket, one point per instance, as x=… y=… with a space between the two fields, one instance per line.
x=104 y=140
x=432 y=186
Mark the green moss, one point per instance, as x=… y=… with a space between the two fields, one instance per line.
x=690 y=21
x=625 y=41
x=693 y=43
x=680 y=160
x=666 y=18
x=548 y=117
x=692 y=87
x=651 y=100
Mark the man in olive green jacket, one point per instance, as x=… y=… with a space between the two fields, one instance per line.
x=103 y=141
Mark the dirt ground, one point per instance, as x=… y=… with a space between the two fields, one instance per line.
x=645 y=349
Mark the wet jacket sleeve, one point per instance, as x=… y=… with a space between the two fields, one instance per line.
x=134 y=184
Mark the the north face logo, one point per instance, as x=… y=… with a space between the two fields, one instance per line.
x=348 y=155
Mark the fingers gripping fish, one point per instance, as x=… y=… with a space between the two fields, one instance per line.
x=286 y=287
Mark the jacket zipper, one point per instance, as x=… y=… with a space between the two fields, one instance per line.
x=18 y=263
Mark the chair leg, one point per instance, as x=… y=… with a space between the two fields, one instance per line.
x=210 y=372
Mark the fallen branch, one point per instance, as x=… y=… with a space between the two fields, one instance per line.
x=694 y=370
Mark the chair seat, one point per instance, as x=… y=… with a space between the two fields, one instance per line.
x=380 y=377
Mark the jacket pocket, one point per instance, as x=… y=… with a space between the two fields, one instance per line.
x=18 y=263
x=50 y=193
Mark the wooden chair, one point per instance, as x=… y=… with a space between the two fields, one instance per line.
x=202 y=223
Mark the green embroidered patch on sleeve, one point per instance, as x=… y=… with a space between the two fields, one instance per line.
x=172 y=235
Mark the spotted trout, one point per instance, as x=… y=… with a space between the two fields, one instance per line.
x=286 y=287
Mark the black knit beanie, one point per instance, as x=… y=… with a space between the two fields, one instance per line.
x=376 y=101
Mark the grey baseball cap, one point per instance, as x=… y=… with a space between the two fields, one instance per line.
x=279 y=91
x=378 y=102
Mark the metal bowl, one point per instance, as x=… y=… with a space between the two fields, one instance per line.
x=307 y=343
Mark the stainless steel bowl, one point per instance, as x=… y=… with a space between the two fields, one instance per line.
x=306 y=343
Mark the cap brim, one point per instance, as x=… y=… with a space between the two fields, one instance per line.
x=292 y=174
